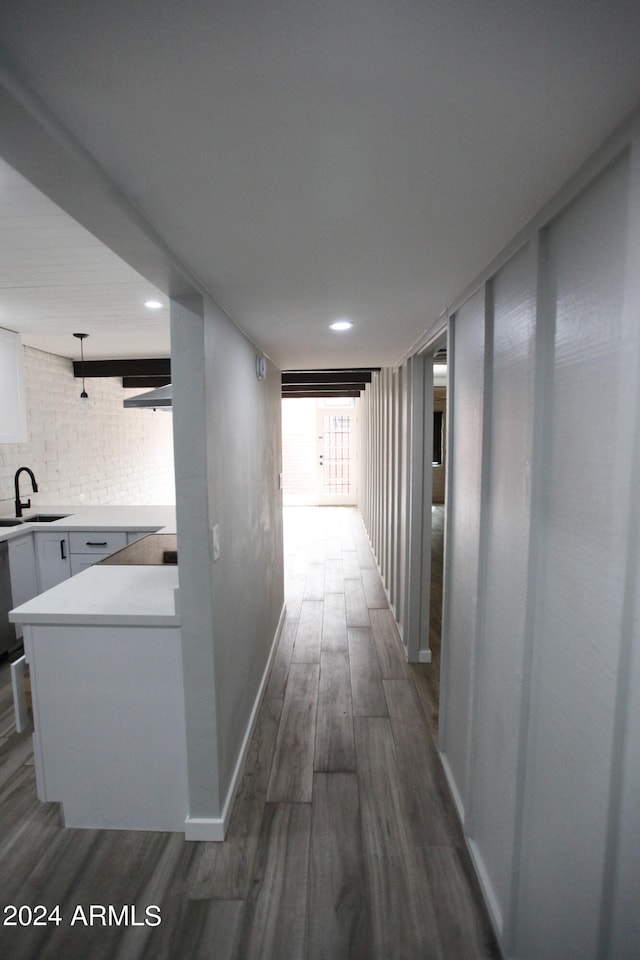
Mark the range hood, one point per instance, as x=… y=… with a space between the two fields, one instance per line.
x=156 y=399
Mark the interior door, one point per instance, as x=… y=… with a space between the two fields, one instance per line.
x=336 y=454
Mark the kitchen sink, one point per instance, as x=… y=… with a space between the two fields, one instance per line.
x=45 y=517
x=36 y=518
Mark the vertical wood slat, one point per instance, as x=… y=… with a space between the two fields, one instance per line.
x=374 y=591
x=314 y=585
x=339 y=921
x=356 y=604
x=335 y=747
x=257 y=767
x=225 y=870
x=282 y=660
x=306 y=648
x=367 y=692
x=404 y=925
x=291 y=777
x=334 y=624
x=334 y=576
x=388 y=645
x=276 y=916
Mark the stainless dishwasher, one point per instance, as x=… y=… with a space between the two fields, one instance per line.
x=7 y=632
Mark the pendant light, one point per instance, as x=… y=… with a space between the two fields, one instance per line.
x=84 y=396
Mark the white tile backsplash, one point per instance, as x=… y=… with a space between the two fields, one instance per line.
x=104 y=454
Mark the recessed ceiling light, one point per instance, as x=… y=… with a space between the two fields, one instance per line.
x=341 y=325
x=153 y=304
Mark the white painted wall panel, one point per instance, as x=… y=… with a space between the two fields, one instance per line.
x=228 y=462
x=465 y=465
x=505 y=556
x=581 y=578
x=539 y=708
x=245 y=461
x=623 y=889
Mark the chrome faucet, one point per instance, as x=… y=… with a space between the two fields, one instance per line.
x=34 y=487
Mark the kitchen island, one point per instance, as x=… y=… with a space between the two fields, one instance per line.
x=105 y=658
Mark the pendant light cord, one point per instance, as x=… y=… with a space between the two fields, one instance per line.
x=82 y=337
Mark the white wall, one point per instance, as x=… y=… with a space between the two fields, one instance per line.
x=101 y=455
x=539 y=712
x=299 y=451
x=228 y=461
x=538 y=734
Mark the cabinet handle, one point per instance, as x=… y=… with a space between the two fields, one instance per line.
x=63 y=554
x=95 y=543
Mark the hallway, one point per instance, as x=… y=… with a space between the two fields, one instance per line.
x=343 y=841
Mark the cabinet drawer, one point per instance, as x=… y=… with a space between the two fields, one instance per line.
x=102 y=541
x=80 y=561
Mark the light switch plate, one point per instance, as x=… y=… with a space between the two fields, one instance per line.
x=215 y=542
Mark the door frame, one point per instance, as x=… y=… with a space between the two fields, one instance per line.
x=419 y=496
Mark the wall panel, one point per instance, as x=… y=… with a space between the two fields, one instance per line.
x=504 y=557
x=580 y=581
x=462 y=567
x=539 y=709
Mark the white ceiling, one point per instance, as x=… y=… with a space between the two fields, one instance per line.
x=56 y=279
x=311 y=160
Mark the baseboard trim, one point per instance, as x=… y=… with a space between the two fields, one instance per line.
x=202 y=828
x=457 y=799
x=491 y=901
x=215 y=828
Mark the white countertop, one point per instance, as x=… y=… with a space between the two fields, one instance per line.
x=107 y=595
x=116 y=595
x=108 y=517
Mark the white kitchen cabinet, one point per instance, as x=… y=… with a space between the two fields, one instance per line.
x=114 y=757
x=88 y=547
x=105 y=658
x=80 y=561
x=52 y=558
x=61 y=555
x=13 y=413
x=23 y=572
x=97 y=543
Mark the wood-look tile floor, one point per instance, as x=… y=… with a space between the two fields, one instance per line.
x=343 y=841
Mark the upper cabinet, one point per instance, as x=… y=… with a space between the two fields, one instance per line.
x=13 y=414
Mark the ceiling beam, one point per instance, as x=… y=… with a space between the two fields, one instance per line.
x=357 y=375
x=158 y=367
x=319 y=394
x=149 y=383
x=288 y=388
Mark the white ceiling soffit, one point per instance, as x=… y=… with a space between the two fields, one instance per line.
x=57 y=279
x=310 y=161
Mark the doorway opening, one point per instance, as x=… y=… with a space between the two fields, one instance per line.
x=319 y=451
x=438 y=488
